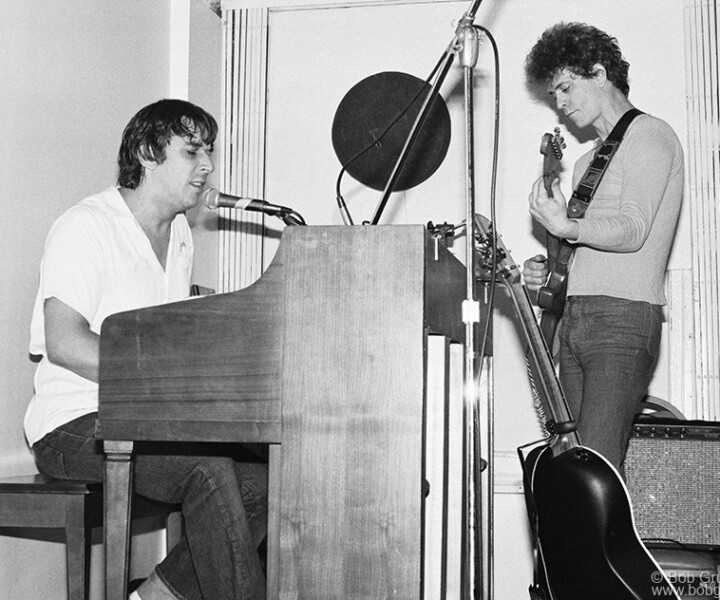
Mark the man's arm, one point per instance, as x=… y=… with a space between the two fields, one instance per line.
x=69 y=341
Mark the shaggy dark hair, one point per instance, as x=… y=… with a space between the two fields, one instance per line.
x=576 y=47
x=149 y=132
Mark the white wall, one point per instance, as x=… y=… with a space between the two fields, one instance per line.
x=71 y=81
x=73 y=73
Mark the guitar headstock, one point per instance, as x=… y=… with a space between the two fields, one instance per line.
x=551 y=147
x=492 y=255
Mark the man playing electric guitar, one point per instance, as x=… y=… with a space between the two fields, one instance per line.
x=610 y=330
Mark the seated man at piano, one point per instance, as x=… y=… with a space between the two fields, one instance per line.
x=129 y=247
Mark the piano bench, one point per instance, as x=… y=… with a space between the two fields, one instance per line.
x=39 y=502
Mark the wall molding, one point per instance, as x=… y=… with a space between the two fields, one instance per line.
x=315 y=4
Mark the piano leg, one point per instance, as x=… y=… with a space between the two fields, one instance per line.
x=273 y=539
x=118 y=487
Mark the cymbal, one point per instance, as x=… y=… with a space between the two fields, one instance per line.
x=368 y=109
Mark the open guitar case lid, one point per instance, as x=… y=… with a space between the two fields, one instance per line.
x=659 y=418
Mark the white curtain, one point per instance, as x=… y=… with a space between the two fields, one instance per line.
x=703 y=185
x=243 y=120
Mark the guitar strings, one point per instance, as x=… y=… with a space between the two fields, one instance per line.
x=537 y=401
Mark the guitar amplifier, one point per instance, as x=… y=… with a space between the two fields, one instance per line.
x=672 y=470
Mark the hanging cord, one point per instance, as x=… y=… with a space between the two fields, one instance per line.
x=481 y=464
x=493 y=187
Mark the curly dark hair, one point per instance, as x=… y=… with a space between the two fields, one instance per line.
x=576 y=47
x=149 y=132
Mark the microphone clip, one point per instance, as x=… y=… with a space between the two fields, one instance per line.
x=290 y=217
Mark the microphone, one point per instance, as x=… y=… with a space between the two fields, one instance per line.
x=213 y=198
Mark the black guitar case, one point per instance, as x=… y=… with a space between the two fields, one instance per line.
x=598 y=556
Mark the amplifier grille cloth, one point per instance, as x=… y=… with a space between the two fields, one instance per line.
x=674 y=485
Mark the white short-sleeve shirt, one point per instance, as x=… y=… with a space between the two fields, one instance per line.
x=98 y=261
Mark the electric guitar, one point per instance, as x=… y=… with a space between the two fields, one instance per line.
x=551 y=297
x=587 y=544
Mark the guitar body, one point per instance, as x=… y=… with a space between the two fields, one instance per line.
x=551 y=297
x=588 y=543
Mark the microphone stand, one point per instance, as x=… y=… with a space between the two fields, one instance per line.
x=473 y=464
x=465 y=44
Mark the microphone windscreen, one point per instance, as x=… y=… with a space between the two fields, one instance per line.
x=210 y=198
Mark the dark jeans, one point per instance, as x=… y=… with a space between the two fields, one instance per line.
x=608 y=350
x=223 y=497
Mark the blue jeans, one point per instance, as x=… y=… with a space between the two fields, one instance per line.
x=608 y=350
x=224 y=504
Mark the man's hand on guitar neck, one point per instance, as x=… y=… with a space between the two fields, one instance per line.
x=550 y=210
x=535 y=273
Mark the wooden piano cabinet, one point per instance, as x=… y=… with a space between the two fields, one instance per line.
x=326 y=358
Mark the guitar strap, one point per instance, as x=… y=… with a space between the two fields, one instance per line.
x=583 y=194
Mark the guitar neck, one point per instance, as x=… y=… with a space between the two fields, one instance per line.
x=554 y=404
x=494 y=257
x=552 y=244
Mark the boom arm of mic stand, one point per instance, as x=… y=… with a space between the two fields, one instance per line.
x=465 y=22
x=414 y=131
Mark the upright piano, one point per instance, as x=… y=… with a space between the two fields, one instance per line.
x=326 y=358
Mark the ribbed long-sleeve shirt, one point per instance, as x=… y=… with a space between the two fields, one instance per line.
x=625 y=237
